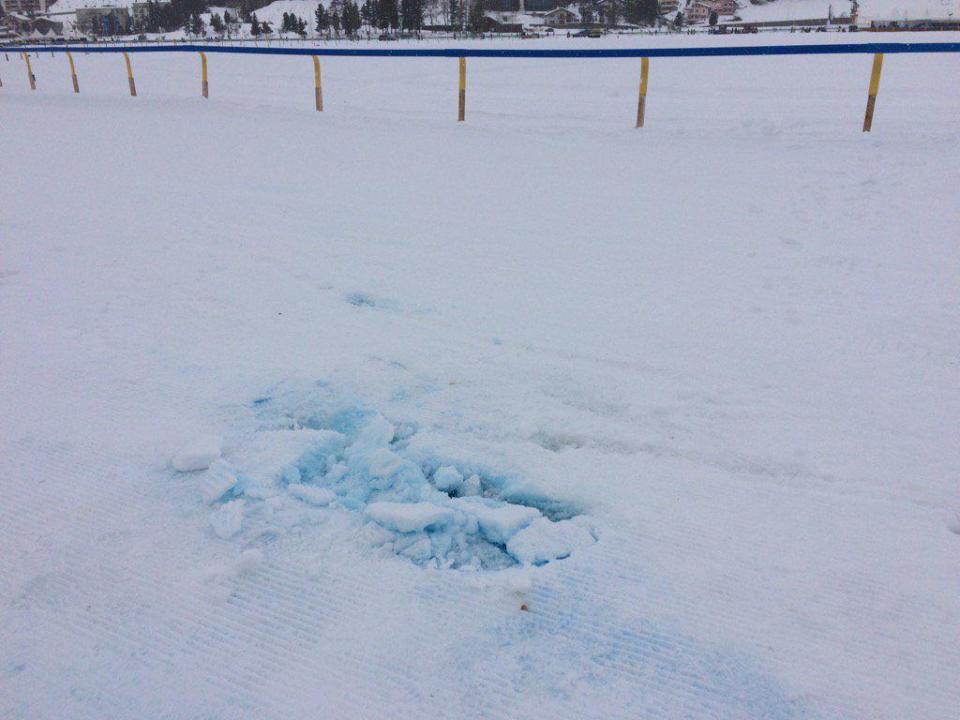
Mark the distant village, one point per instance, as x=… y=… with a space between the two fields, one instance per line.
x=237 y=20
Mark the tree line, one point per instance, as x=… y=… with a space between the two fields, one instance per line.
x=347 y=17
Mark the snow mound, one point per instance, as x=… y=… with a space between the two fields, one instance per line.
x=308 y=463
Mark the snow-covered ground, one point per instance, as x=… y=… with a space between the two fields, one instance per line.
x=688 y=394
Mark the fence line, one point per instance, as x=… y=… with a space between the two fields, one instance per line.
x=876 y=49
x=730 y=51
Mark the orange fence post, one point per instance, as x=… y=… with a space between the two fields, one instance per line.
x=462 y=112
x=133 y=84
x=317 y=89
x=204 y=86
x=872 y=92
x=30 y=76
x=73 y=73
x=642 y=102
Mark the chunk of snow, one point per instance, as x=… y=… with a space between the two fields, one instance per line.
x=471 y=487
x=408 y=517
x=218 y=481
x=312 y=495
x=447 y=478
x=542 y=541
x=336 y=470
x=378 y=432
x=383 y=463
x=198 y=454
x=227 y=519
x=498 y=521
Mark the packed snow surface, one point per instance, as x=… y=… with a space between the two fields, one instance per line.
x=687 y=394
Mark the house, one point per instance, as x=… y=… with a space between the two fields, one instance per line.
x=140 y=11
x=560 y=17
x=102 y=20
x=723 y=7
x=17 y=22
x=22 y=25
x=697 y=12
x=25 y=7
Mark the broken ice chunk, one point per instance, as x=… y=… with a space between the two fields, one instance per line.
x=312 y=495
x=498 y=521
x=543 y=541
x=471 y=487
x=227 y=519
x=408 y=517
x=199 y=454
x=218 y=481
x=447 y=479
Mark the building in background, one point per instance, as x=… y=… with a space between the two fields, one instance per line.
x=102 y=20
x=24 y=7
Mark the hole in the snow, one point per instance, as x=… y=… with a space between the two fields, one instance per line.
x=313 y=459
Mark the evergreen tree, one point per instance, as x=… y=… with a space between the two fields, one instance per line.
x=388 y=14
x=649 y=11
x=301 y=27
x=368 y=13
x=476 y=20
x=586 y=13
x=321 y=21
x=713 y=18
x=412 y=14
x=455 y=8
x=352 y=12
x=265 y=28
x=254 y=25
x=335 y=21
x=216 y=24
x=678 y=20
x=197 y=26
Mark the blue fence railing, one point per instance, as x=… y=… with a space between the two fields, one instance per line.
x=467 y=52
x=878 y=50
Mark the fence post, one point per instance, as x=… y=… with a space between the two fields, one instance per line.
x=133 y=84
x=317 y=89
x=642 y=102
x=872 y=93
x=73 y=73
x=204 y=85
x=461 y=115
x=30 y=76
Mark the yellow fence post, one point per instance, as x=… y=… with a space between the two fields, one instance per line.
x=461 y=115
x=133 y=84
x=642 y=102
x=872 y=93
x=204 y=85
x=30 y=75
x=73 y=73
x=317 y=89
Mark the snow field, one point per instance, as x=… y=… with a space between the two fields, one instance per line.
x=725 y=343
